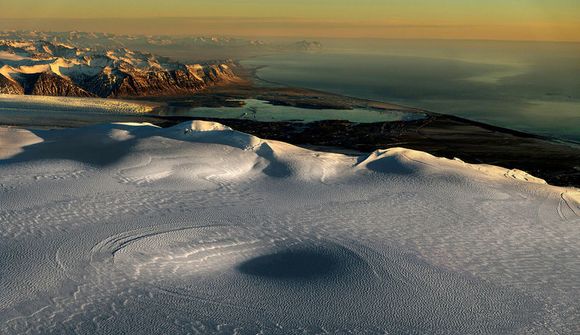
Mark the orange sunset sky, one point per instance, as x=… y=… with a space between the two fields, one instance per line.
x=554 y=20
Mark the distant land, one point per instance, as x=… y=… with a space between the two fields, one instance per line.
x=180 y=48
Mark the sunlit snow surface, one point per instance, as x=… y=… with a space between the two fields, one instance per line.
x=129 y=228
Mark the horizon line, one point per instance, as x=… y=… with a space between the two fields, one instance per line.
x=308 y=37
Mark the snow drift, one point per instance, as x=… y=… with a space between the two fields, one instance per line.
x=198 y=228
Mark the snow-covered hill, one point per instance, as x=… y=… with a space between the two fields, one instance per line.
x=40 y=67
x=200 y=229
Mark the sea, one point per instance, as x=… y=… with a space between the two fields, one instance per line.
x=528 y=86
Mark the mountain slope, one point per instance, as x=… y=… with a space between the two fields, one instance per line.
x=8 y=86
x=54 y=85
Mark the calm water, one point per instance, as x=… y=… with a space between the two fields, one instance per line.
x=534 y=87
x=263 y=111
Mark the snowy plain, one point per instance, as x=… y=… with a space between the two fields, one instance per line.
x=199 y=229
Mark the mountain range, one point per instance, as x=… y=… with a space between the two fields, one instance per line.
x=42 y=67
x=153 y=42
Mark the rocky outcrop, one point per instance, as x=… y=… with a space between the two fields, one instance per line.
x=54 y=85
x=153 y=83
x=8 y=86
x=172 y=82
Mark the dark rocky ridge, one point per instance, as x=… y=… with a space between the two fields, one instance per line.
x=8 y=86
x=51 y=84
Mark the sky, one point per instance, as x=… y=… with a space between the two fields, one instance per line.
x=553 y=20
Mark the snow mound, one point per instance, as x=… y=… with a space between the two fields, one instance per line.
x=198 y=125
x=406 y=161
x=274 y=158
x=13 y=141
x=212 y=132
x=393 y=161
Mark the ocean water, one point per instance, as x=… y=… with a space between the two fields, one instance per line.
x=532 y=87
